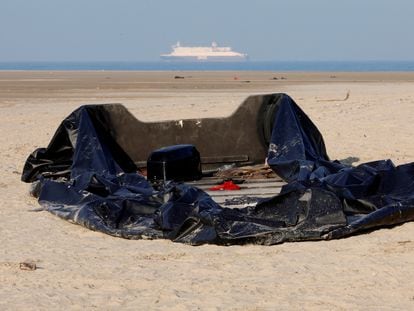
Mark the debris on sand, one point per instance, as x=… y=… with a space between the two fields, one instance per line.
x=27 y=265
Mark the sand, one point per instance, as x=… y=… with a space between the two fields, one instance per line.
x=78 y=268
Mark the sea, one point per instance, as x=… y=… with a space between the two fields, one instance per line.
x=350 y=66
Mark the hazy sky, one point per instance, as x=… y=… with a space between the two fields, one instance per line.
x=134 y=30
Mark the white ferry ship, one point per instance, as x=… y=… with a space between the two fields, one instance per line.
x=213 y=53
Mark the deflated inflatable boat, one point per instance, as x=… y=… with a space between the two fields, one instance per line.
x=89 y=175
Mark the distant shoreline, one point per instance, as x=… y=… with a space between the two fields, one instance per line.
x=288 y=66
x=14 y=84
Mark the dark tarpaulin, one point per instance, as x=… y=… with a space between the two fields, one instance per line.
x=85 y=177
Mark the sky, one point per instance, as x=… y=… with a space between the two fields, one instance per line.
x=140 y=30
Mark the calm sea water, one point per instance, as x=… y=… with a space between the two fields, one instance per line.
x=206 y=66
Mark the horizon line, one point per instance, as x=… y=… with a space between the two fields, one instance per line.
x=203 y=62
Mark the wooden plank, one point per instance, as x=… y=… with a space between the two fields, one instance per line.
x=241 y=181
x=258 y=188
x=222 y=199
x=235 y=206
x=205 y=181
x=225 y=159
x=249 y=192
x=216 y=181
x=248 y=186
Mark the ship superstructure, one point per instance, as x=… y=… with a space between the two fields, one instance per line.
x=211 y=53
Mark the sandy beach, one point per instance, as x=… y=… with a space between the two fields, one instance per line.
x=362 y=116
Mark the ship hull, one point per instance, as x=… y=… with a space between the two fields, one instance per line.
x=203 y=59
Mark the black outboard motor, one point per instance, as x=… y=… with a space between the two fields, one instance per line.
x=177 y=163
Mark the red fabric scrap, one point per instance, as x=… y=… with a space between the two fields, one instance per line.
x=227 y=185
